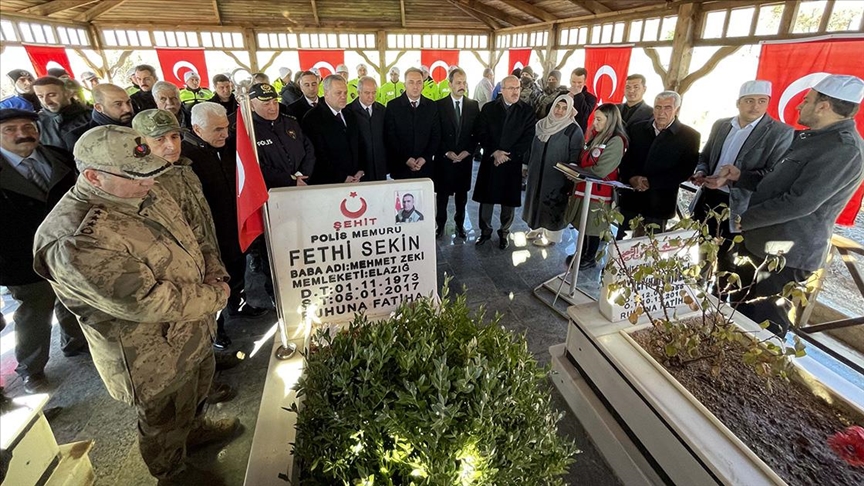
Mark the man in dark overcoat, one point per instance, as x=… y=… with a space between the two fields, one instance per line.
x=505 y=130
x=662 y=154
x=33 y=178
x=412 y=130
x=333 y=132
x=370 y=122
x=453 y=163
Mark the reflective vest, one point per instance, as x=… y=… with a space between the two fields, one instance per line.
x=443 y=88
x=599 y=192
x=352 y=90
x=390 y=91
x=430 y=89
x=190 y=98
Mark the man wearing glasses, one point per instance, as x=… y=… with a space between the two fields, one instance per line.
x=505 y=130
x=121 y=257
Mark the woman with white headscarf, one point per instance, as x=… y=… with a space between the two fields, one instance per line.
x=558 y=139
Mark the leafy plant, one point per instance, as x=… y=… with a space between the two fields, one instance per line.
x=712 y=334
x=431 y=396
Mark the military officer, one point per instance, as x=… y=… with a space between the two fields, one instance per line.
x=120 y=256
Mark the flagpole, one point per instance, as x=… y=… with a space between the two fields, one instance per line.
x=241 y=93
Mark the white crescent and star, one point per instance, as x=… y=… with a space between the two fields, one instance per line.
x=241 y=176
x=180 y=65
x=518 y=65
x=324 y=65
x=801 y=84
x=441 y=64
x=605 y=70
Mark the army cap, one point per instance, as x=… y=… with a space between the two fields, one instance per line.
x=155 y=123
x=262 y=91
x=114 y=148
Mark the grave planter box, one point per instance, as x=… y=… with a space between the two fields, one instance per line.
x=650 y=428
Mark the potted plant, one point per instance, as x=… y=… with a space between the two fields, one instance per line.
x=433 y=395
x=705 y=394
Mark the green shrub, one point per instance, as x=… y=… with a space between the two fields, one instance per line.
x=432 y=396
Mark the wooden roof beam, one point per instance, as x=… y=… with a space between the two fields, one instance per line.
x=489 y=21
x=102 y=7
x=216 y=11
x=402 y=11
x=527 y=8
x=592 y=6
x=496 y=14
x=55 y=6
x=315 y=12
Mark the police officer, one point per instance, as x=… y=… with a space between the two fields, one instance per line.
x=362 y=71
x=24 y=97
x=391 y=90
x=286 y=155
x=120 y=256
x=193 y=93
x=430 y=87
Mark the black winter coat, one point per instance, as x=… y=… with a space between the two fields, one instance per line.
x=337 y=145
x=452 y=177
x=667 y=160
x=283 y=150
x=373 y=151
x=54 y=126
x=23 y=208
x=411 y=132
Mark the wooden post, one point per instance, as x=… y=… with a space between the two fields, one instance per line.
x=682 y=45
x=251 y=48
x=381 y=37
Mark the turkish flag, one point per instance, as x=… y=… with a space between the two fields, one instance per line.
x=518 y=58
x=326 y=60
x=42 y=56
x=251 y=190
x=795 y=67
x=607 y=72
x=177 y=62
x=439 y=62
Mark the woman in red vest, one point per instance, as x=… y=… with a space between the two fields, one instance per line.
x=607 y=142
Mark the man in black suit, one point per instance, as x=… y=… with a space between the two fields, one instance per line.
x=333 y=132
x=634 y=109
x=143 y=98
x=583 y=100
x=370 y=122
x=413 y=131
x=309 y=86
x=662 y=154
x=458 y=115
x=33 y=178
x=505 y=130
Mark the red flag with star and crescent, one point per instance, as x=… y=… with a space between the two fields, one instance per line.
x=251 y=189
x=177 y=62
x=439 y=62
x=795 y=67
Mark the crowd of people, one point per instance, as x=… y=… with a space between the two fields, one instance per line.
x=122 y=201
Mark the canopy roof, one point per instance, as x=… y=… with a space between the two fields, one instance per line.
x=438 y=15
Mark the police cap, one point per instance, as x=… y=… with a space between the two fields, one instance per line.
x=7 y=114
x=114 y=148
x=262 y=91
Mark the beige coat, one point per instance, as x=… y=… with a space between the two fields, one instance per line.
x=133 y=273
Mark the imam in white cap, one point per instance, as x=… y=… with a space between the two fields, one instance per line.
x=756 y=87
x=190 y=74
x=843 y=87
x=283 y=71
x=341 y=68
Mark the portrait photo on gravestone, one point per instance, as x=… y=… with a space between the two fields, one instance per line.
x=407 y=204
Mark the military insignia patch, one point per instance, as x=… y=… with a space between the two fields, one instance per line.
x=292 y=134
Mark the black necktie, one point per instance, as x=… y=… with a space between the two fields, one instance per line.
x=414 y=104
x=458 y=115
x=339 y=116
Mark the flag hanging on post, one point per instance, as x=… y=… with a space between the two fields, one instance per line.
x=517 y=58
x=795 y=67
x=251 y=190
x=177 y=62
x=44 y=58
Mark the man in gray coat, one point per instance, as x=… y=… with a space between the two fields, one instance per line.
x=752 y=142
x=794 y=204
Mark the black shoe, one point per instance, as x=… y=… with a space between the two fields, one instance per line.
x=247 y=311
x=36 y=383
x=226 y=360
x=460 y=232
x=503 y=242
x=439 y=231
x=222 y=341
x=569 y=259
x=482 y=240
x=587 y=264
x=220 y=392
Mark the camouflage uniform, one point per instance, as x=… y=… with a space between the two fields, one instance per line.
x=133 y=273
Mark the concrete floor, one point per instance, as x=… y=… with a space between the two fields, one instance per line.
x=500 y=280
